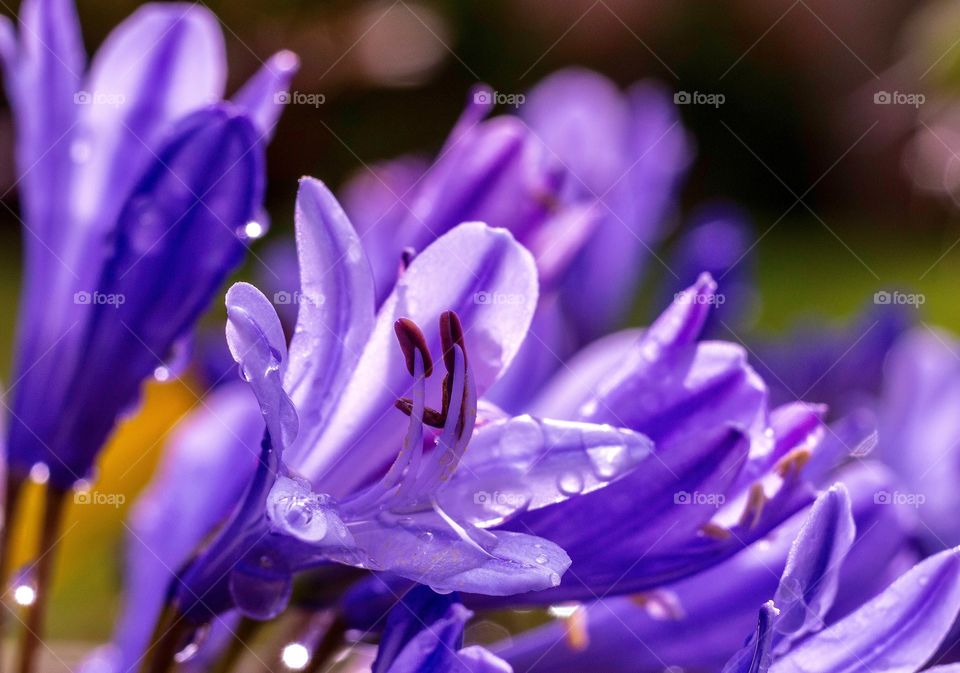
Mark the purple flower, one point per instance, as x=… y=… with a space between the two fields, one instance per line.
x=583 y=178
x=898 y=630
x=325 y=490
x=424 y=634
x=919 y=432
x=136 y=189
x=652 y=631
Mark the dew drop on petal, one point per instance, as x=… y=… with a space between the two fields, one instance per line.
x=260 y=588
x=541 y=559
x=570 y=483
x=150 y=226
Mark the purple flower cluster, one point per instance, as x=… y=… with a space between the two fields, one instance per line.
x=447 y=414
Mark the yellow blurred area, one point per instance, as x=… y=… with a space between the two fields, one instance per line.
x=89 y=558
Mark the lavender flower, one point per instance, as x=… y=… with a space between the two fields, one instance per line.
x=128 y=175
x=419 y=519
x=907 y=621
x=424 y=634
x=586 y=173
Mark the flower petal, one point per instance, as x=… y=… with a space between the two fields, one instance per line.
x=809 y=583
x=336 y=309
x=257 y=343
x=424 y=634
x=263 y=94
x=896 y=632
x=524 y=463
x=458 y=272
x=185 y=208
x=162 y=63
x=755 y=656
x=218 y=444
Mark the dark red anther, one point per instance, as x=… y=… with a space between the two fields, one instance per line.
x=411 y=339
x=431 y=417
x=451 y=332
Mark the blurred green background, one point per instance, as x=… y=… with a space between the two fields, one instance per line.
x=878 y=182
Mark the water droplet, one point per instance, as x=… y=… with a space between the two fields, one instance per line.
x=260 y=590
x=608 y=460
x=161 y=374
x=425 y=536
x=570 y=483
x=541 y=559
x=554 y=579
x=252 y=230
x=295 y=508
x=149 y=227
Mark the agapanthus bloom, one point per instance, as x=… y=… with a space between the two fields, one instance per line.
x=137 y=187
x=422 y=518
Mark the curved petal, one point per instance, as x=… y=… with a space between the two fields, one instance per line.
x=809 y=583
x=428 y=547
x=896 y=632
x=263 y=94
x=164 y=62
x=424 y=634
x=458 y=272
x=336 y=309
x=523 y=463
x=919 y=432
x=755 y=656
x=187 y=207
x=580 y=377
x=257 y=343
x=217 y=444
